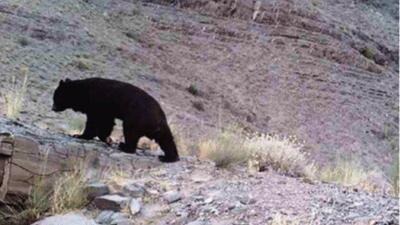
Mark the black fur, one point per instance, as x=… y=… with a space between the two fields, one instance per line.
x=103 y=100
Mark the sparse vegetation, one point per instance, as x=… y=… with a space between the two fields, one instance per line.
x=180 y=138
x=66 y=194
x=82 y=64
x=69 y=191
x=346 y=172
x=279 y=219
x=75 y=124
x=368 y=53
x=15 y=94
x=193 y=89
x=226 y=149
x=394 y=176
x=283 y=154
x=260 y=151
x=23 y=41
x=29 y=210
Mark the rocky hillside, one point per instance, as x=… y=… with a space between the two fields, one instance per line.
x=128 y=189
x=325 y=71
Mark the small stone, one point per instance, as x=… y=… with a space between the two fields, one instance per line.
x=196 y=222
x=119 y=216
x=111 y=202
x=172 y=196
x=97 y=189
x=209 y=200
x=67 y=219
x=134 y=190
x=122 y=221
x=134 y=206
x=104 y=217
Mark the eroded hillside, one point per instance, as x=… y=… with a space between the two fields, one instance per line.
x=325 y=71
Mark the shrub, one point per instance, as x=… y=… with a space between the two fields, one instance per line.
x=66 y=194
x=226 y=149
x=283 y=154
x=15 y=94
x=69 y=191
x=345 y=172
x=260 y=151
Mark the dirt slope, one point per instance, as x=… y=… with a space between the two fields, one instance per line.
x=325 y=71
x=204 y=195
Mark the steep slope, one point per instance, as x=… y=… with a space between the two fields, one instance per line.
x=195 y=192
x=325 y=71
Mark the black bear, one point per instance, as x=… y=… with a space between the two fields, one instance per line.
x=103 y=100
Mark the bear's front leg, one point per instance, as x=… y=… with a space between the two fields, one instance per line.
x=90 y=129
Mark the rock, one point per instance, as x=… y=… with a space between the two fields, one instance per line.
x=196 y=222
x=208 y=200
x=120 y=219
x=67 y=219
x=134 y=190
x=111 y=202
x=154 y=210
x=172 y=196
x=134 y=206
x=105 y=217
x=97 y=189
x=122 y=222
x=119 y=216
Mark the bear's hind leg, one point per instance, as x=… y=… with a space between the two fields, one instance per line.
x=131 y=139
x=166 y=141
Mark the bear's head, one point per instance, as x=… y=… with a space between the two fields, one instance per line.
x=62 y=96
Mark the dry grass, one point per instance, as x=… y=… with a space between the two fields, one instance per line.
x=67 y=194
x=260 y=151
x=75 y=124
x=69 y=191
x=181 y=140
x=347 y=173
x=15 y=93
x=283 y=154
x=394 y=176
x=226 y=149
x=279 y=219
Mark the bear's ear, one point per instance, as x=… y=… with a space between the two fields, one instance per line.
x=64 y=81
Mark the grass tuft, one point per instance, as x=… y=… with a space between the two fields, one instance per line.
x=283 y=154
x=368 y=53
x=226 y=149
x=193 y=89
x=260 y=151
x=346 y=172
x=67 y=194
x=69 y=191
x=15 y=94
